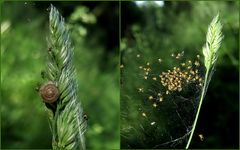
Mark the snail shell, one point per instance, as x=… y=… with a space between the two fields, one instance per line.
x=49 y=92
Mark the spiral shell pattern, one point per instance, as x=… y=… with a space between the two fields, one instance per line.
x=49 y=92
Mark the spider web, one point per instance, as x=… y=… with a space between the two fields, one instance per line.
x=150 y=123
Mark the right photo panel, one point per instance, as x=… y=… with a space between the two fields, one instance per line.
x=179 y=67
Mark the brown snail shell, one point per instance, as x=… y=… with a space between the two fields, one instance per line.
x=49 y=92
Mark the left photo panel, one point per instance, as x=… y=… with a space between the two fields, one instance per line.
x=60 y=75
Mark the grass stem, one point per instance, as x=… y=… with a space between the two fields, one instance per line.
x=204 y=90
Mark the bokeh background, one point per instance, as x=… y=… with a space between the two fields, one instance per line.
x=24 y=32
x=158 y=29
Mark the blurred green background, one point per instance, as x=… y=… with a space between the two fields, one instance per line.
x=156 y=30
x=24 y=32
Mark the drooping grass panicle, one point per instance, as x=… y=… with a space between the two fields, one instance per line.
x=210 y=51
x=67 y=122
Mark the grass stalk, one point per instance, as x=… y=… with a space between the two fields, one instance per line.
x=204 y=90
x=210 y=52
x=66 y=118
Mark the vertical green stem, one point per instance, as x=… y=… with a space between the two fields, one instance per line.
x=204 y=90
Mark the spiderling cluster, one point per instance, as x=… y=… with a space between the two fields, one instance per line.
x=173 y=80
x=166 y=87
x=178 y=77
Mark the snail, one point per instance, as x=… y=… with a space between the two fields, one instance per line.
x=49 y=92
